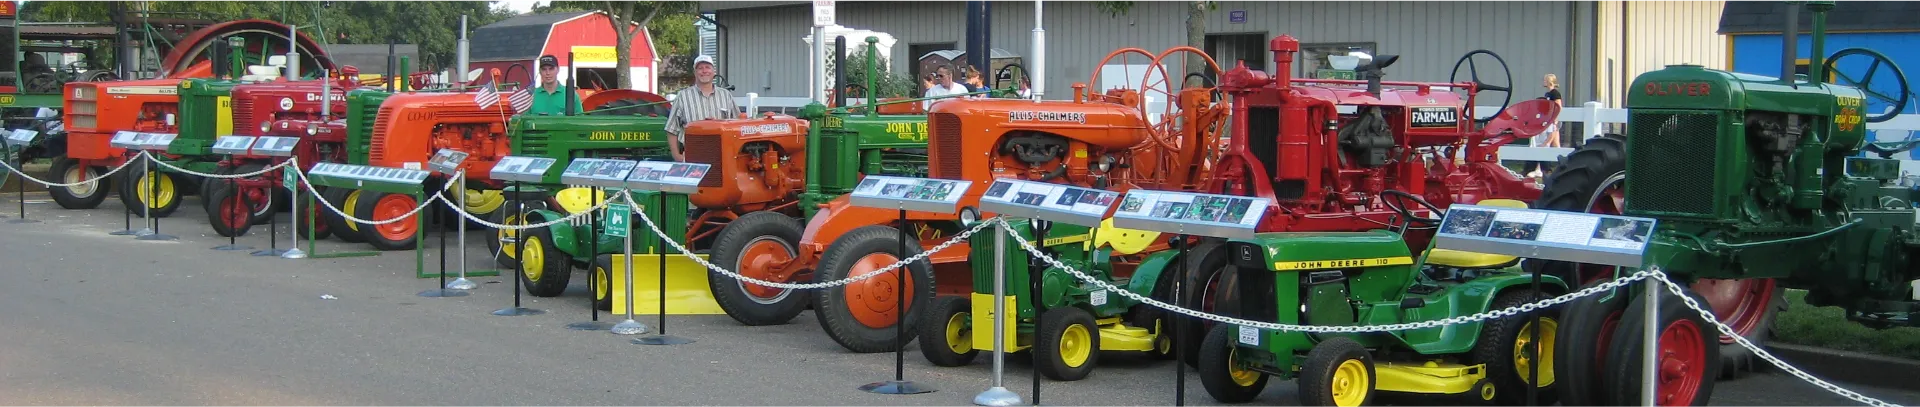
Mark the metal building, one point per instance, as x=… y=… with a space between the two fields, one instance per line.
x=1589 y=45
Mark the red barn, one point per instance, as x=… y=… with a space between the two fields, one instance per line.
x=587 y=34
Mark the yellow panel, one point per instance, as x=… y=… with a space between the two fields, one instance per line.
x=225 y=116
x=983 y=324
x=1343 y=263
x=1456 y=258
x=1432 y=378
x=687 y=290
x=576 y=199
x=1121 y=337
x=594 y=54
x=1124 y=241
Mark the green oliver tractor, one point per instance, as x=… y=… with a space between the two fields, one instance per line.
x=1371 y=278
x=363 y=106
x=1757 y=182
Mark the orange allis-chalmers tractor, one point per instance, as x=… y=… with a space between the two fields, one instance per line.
x=1100 y=140
x=758 y=165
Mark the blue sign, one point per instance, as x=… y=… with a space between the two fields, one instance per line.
x=1237 y=17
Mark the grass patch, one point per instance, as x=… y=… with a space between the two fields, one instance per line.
x=1827 y=327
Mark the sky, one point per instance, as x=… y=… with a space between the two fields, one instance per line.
x=519 y=6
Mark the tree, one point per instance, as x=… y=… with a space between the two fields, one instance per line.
x=886 y=84
x=1196 y=26
x=628 y=18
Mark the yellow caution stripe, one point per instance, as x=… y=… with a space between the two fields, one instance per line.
x=1340 y=264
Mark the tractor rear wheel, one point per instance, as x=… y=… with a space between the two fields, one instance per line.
x=1580 y=346
x=754 y=246
x=1505 y=347
x=860 y=316
x=383 y=206
x=84 y=196
x=1689 y=357
x=1584 y=182
x=165 y=188
x=345 y=200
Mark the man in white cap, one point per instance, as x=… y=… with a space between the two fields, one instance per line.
x=704 y=100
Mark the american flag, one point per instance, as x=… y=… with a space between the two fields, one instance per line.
x=486 y=97
x=522 y=100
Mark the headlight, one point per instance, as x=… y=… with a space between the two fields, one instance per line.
x=311 y=130
x=265 y=126
x=969 y=216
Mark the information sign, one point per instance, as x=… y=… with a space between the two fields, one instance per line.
x=597 y=172
x=914 y=194
x=1050 y=202
x=1187 y=213
x=21 y=137
x=619 y=217
x=446 y=161
x=275 y=146
x=126 y=139
x=232 y=144
x=366 y=173
x=155 y=141
x=522 y=169
x=1541 y=234
x=667 y=176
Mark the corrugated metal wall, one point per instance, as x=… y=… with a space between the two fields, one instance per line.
x=1659 y=33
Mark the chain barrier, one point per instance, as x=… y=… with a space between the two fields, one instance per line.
x=350 y=218
x=262 y=171
x=23 y=175
x=1501 y=313
x=1707 y=315
x=849 y=280
x=556 y=221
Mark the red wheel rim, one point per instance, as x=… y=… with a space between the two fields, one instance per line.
x=311 y=212
x=389 y=207
x=1606 y=338
x=1741 y=304
x=232 y=212
x=874 y=301
x=757 y=260
x=1682 y=362
x=259 y=200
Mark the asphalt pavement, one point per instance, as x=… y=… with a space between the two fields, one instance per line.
x=90 y=318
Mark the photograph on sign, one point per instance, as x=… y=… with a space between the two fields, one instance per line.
x=158 y=141
x=446 y=160
x=538 y=165
x=22 y=136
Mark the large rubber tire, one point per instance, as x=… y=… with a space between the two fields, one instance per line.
x=872 y=331
x=1066 y=345
x=1764 y=299
x=224 y=210
x=946 y=339
x=1571 y=184
x=550 y=269
x=502 y=251
x=744 y=246
x=1502 y=340
x=1206 y=265
x=1580 y=346
x=1337 y=372
x=87 y=196
x=171 y=190
x=311 y=210
x=600 y=281
x=344 y=199
x=1221 y=375
x=1689 y=354
x=382 y=206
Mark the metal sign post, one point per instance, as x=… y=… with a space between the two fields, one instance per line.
x=152 y=142
x=282 y=149
x=665 y=177
x=380 y=179
x=606 y=173
x=902 y=194
x=1187 y=214
x=448 y=162
x=18 y=141
x=232 y=146
x=124 y=139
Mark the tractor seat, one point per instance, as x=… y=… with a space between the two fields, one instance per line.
x=1471 y=260
x=576 y=199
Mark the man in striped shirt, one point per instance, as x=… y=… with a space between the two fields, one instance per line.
x=702 y=101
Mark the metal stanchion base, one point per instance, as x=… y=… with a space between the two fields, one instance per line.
x=293 y=253
x=517 y=311
x=629 y=327
x=997 y=396
x=232 y=247
x=128 y=232
x=23 y=220
x=895 y=387
x=662 y=340
x=143 y=232
x=462 y=283
x=270 y=252
x=157 y=236
x=590 y=326
x=442 y=292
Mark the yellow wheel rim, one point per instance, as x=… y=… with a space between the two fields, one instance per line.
x=485 y=201
x=1076 y=345
x=145 y=190
x=1240 y=376
x=76 y=174
x=509 y=237
x=959 y=336
x=531 y=265
x=1523 y=364
x=347 y=205
x=601 y=279
x=1486 y=392
x=1350 y=383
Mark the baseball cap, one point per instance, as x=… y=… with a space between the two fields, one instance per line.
x=703 y=58
x=549 y=60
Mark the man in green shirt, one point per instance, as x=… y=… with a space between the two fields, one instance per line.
x=547 y=98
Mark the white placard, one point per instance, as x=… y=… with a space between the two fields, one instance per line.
x=1052 y=202
x=22 y=136
x=1550 y=235
x=1190 y=213
x=232 y=144
x=156 y=141
x=822 y=13
x=668 y=176
x=916 y=194
x=523 y=169
x=367 y=173
x=275 y=146
x=447 y=160
x=125 y=139
x=598 y=172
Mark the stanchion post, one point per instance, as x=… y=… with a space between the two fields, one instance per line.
x=629 y=326
x=282 y=147
x=521 y=249
x=1533 y=348
x=593 y=323
x=661 y=337
x=899 y=384
x=460 y=194
x=153 y=197
x=20 y=137
x=120 y=139
x=1180 y=334
x=440 y=290
x=289 y=178
x=998 y=395
x=234 y=185
x=1649 y=371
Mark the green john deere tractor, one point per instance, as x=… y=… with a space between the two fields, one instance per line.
x=1758 y=185
x=205 y=113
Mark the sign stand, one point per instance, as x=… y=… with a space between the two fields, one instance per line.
x=281 y=147
x=152 y=142
x=125 y=139
x=19 y=139
x=1185 y=214
x=380 y=179
x=448 y=161
x=1552 y=235
x=902 y=193
x=1047 y=203
x=665 y=177
x=230 y=146
x=593 y=246
x=606 y=173
x=443 y=291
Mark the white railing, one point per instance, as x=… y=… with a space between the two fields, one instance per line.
x=1594 y=117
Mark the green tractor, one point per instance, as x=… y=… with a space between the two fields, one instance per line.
x=1757 y=184
x=206 y=113
x=363 y=106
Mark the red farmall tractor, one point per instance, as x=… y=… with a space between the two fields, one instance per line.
x=284 y=109
x=1333 y=155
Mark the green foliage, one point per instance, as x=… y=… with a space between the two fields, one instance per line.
x=886 y=83
x=1114 y=8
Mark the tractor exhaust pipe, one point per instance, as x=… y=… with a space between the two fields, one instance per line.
x=840 y=71
x=460 y=75
x=293 y=53
x=1037 y=80
x=1790 y=43
x=393 y=45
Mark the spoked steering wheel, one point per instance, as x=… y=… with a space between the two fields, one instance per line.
x=1473 y=72
x=1411 y=218
x=1876 y=60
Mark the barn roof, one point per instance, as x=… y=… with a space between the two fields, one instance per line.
x=520 y=38
x=1768 y=17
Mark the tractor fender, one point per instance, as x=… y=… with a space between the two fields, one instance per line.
x=187 y=59
x=840 y=216
x=1147 y=275
x=1468 y=298
x=566 y=236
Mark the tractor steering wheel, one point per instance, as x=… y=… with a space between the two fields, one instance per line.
x=1877 y=58
x=1409 y=214
x=1010 y=77
x=509 y=74
x=1473 y=72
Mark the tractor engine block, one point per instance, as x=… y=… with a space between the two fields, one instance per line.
x=1367 y=140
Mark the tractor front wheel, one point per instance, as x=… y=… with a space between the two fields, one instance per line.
x=344 y=199
x=601 y=277
x=1221 y=373
x=1687 y=363
x=1505 y=346
x=1066 y=345
x=947 y=337
x=161 y=189
x=230 y=210
x=544 y=269
x=1337 y=372
x=400 y=234
x=754 y=246
x=84 y=196
x=860 y=316
x=1580 y=346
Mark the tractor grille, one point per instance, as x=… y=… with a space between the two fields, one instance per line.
x=361 y=108
x=944 y=154
x=377 y=146
x=243 y=123
x=532 y=143
x=705 y=150
x=835 y=173
x=1679 y=153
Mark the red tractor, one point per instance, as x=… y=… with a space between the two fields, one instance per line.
x=284 y=109
x=1339 y=156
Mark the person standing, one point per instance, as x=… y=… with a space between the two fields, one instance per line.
x=1550 y=137
x=943 y=85
x=703 y=101
x=547 y=99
